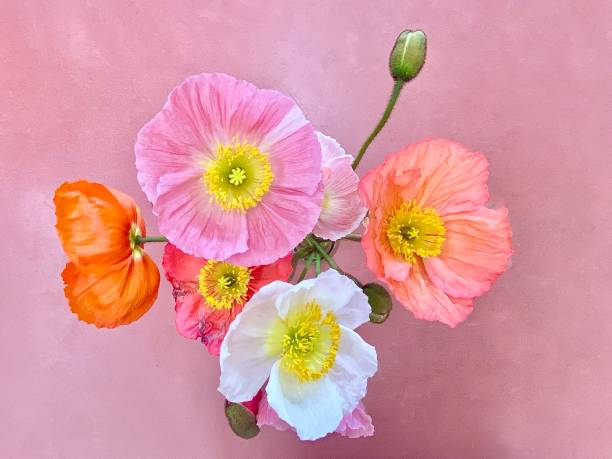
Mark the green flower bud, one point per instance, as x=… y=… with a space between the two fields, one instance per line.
x=242 y=420
x=380 y=302
x=408 y=55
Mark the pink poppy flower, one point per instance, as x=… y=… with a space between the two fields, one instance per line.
x=430 y=237
x=341 y=210
x=233 y=172
x=209 y=294
x=354 y=425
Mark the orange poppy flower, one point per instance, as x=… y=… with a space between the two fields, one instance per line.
x=109 y=280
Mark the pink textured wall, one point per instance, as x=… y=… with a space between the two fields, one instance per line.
x=528 y=83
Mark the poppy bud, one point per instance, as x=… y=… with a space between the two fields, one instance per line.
x=241 y=419
x=380 y=302
x=408 y=55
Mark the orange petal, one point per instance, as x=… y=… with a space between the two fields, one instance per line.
x=116 y=297
x=93 y=224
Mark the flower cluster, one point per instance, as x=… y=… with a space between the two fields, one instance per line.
x=251 y=201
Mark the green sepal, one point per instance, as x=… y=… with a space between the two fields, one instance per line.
x=241 y=420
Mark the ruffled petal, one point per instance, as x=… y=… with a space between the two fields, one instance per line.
x=342 y=296
x=427 y=301
x=266 y=416
x=356 y=424
x=277 y=224
x=244 y=358
x=189 y=315
x=181 y=269
x=294 y=151
x=116 y=297
x=475 y=253
x=204 y=230
x=313 y=408
x=215 y=325
x=342 y=210
x=452 y=179
x=93 y=224
x=356 y=361
x=265 y=274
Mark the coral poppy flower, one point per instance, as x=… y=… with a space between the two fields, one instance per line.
x=209 y=294
x=301 y=339
x=341 y=210
x=233 y=171
x=109 y=280
x=430 y=237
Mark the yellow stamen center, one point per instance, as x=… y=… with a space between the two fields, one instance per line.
x=238 y=177
x=307 y=341
x=223 y=285
x=415 y=231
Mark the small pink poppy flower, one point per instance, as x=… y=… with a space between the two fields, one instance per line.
x=210 y=294
x=342 y=209
x=354 y=425
x=430 y=237
x=233 y=172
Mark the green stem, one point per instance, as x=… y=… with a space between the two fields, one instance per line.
x=307 y=264
x=326 y=256
x=353 y=237
x=142 y=240
x=397 y=88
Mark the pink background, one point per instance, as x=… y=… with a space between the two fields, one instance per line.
x=528 y=83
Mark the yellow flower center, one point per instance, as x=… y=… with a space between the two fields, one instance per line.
x=223 y=285
x=307 y=341
x=415 y=231
x=239 y=176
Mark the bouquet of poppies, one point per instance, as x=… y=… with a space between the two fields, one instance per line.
x=252 y=203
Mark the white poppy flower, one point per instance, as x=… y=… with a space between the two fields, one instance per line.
x=300 y=337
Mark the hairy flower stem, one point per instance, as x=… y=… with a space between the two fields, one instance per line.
x=397 y=88
x=326 y=256
x=353 y=237
x=142 y=240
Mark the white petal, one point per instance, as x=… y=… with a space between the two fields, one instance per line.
x=313 y=408
x=342 y=296
x=296 y=296
x=356 y=361
x=245 y=361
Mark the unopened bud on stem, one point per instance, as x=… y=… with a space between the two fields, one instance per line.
x=380 y=302
x=408 y=55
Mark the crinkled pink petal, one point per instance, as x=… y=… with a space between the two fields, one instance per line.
x=281 y=221
x=189 y=315
x=476 y=251
x=195 y=224
x=342 y=210
x=215 y=325
x=174 y=150
x=181 y=269
x=266 y=416
x=354 y=425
